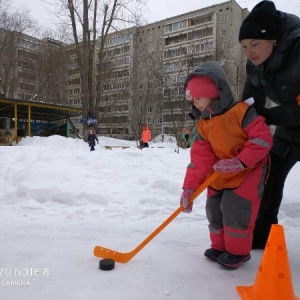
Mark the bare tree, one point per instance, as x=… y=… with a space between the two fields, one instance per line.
x=179 y=63
x=91 y=22
x=234 y=66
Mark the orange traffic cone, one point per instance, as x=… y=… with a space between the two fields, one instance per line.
x=273 y=279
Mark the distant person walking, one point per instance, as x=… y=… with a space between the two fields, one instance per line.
x=92 y=138
x=146 y=136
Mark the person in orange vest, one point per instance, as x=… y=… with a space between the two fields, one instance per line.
x=146 y=136
x=234 y=141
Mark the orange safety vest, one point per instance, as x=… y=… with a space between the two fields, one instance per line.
x=146 y=135
x=228 y=144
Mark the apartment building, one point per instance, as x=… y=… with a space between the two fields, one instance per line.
x=32 y=68
x=149 y=65
x=117 y=92
x=142 y=75
x=181 y=43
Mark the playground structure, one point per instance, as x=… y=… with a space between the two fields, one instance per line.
x=45 y=119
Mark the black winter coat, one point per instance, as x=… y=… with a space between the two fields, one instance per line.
x=278 y=78
x=92 y=139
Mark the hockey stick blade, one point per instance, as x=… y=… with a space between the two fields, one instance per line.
x=124 y=257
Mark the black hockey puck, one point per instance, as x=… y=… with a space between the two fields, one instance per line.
x=106 y=264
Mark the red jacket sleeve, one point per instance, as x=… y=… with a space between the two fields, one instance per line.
x=258 y=144
x=202 y=161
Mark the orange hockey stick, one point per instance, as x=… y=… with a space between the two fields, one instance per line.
x=100 y=251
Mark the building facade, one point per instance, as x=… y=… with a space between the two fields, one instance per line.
x=31 y=68
x=150 y=63
x=143 y=71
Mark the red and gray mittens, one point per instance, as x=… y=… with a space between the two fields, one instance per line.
x=184 y=200
x=229 y=166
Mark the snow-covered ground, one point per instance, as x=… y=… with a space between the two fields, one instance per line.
x=59 y=200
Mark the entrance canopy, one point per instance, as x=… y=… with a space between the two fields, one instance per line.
x=36 y=110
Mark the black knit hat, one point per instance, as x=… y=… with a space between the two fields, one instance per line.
x=262 y=23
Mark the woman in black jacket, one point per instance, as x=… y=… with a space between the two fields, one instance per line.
x=271 y=42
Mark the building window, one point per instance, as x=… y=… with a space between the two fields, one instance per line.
x=175 y=26
x=149 y=109
x=224 y=19
x=223 y=32
x=223 y=46
x=159 y=120
x=149 y=121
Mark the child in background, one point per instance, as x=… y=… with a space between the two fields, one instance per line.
x=234 y=141
x=92 y=138
x=146 y=136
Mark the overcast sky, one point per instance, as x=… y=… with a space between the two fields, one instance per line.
x=158 y=9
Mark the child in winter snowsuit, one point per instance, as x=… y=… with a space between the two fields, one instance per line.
x=146 y=136
x=233 y=140
x=92 y=138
